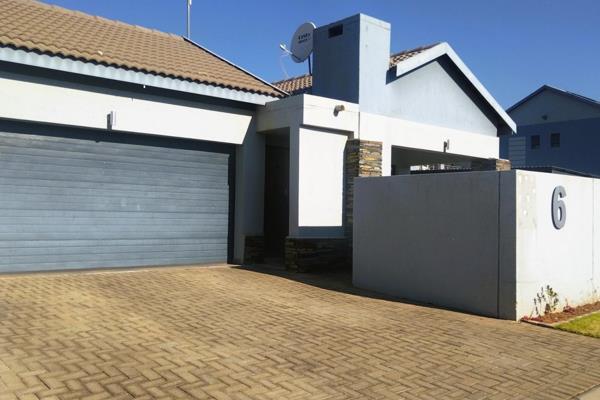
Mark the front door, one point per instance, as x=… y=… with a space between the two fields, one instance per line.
x=276 y=224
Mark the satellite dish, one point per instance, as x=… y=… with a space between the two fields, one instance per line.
x=302 y=42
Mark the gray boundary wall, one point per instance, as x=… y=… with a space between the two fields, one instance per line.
x=481 y=242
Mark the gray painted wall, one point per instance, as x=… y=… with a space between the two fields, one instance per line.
x=354 y=66
x=482 y=242
x=551 y=106
x=579 y=145
x=74 y=198
x=431 y=238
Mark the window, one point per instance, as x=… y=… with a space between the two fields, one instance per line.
x=535 y=142
x=555 y=140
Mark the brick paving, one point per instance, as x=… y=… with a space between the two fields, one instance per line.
x=229 y=333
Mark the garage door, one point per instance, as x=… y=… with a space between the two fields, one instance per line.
x=72 y=198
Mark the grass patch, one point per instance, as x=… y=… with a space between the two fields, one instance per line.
x=589 y=326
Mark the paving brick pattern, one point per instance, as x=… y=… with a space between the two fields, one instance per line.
x=227 y=333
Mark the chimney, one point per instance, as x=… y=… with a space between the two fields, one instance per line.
x=351 y=60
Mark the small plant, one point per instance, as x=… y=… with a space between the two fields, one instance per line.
x=567 y=308
x=545 y=301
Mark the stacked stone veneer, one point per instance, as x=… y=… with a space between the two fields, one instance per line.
x=490 y=164
x=254 y=249
x=315 y=254
x=362 y=158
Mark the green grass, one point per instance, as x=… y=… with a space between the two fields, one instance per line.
x=589 y=325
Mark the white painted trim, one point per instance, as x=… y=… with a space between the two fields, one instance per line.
x=445 y=49
x=49 y=101
x=129 y=76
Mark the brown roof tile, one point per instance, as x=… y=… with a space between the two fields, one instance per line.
x=296 y=85
x=303 y=84
x=404 y=55
x=34 y=26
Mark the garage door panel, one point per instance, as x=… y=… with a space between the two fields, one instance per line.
x=108 y=255
x=72 y=150
x=33 y=163
x=112 y=202
x=54 y=221
x=107 y=170
x=114 y=263
x=96 y=204
x=115 y=243
x=76 y=199
x=31 y=189
x=58 y=186
x=90 y=144
x=97 y=176
x=21 y=253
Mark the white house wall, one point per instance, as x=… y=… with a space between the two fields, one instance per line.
x=249 y=192
x=403 y=133
x=317 y=139
x=321 y=176
x=435 y=94
x=55 y=102
x=563 y=258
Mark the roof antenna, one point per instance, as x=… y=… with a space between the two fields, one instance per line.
x=189 y=27
x=286 y=53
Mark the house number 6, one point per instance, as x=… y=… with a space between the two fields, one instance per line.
x=559 y=209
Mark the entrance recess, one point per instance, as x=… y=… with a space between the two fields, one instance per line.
x=276 y=224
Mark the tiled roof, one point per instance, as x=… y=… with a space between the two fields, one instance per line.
x=38 y=27
x=406 y=54
x=302 y=84
x=296 y=85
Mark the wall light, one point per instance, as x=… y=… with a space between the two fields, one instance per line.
x=337 y=109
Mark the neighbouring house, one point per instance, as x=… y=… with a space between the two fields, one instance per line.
x=124 y=146
x=556 y=129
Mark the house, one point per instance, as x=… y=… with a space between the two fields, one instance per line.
x=119 y=145
x=557 y=128
x=124 y=146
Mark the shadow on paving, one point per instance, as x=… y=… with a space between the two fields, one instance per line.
x=339 y=280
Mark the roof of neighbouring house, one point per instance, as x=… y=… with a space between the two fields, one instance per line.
x=572 y=95
x=37 y=27
x=301 y=84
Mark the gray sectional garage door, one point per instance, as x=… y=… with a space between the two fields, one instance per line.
x=83 y=199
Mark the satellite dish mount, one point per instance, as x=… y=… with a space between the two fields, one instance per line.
x=302 y=44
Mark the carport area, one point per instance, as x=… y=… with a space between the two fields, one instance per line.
x=233 y=333
x=408 y=160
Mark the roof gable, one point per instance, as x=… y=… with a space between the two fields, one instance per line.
x=549 y=104
x=444 y=49
x=303 y=84
x=574 y=96
x=409 y=60
x=41 y=28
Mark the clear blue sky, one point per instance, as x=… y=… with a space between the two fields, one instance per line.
x=513 y=46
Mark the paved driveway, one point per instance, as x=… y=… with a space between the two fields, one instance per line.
x=230 y=333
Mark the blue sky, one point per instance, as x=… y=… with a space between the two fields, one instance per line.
x=513 y=46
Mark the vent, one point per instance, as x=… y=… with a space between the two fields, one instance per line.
x=337 y=30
